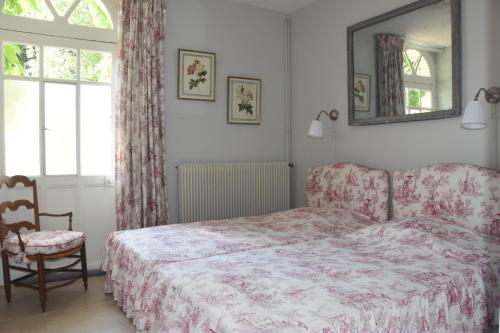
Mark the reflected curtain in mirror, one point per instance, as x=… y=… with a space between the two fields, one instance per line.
x=391 y=81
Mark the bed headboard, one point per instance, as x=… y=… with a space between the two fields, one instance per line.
x=464 y=194
x=349 y=186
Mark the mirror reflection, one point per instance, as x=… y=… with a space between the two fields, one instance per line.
x=403 y=66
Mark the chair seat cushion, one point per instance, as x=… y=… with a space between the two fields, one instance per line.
x=45 y=242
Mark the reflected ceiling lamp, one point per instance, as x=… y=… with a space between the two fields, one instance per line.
x=475 y=113
x=316 y=129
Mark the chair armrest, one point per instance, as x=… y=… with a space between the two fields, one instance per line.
x=68 y=215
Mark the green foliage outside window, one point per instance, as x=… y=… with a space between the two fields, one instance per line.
x=413 y=98
x=20 y=59
x=28 y=8
x=91 y=13
x=95 y=66
x=60 y=63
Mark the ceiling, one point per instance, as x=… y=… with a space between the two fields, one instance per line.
x=284 y=6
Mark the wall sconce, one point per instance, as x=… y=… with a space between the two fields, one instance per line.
x=316 y=129
x=475 y=114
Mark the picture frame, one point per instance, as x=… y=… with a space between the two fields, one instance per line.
x=362 y=92
x=243 y=100
x=196 y=75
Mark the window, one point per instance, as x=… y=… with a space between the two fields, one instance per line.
x=90 y=13
x=56 y=92
x=419 y=81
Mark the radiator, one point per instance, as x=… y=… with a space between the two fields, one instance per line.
x=215 y=191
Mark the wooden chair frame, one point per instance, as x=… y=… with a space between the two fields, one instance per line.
x=78 y=253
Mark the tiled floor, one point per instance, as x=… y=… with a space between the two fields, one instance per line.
x=69 y=310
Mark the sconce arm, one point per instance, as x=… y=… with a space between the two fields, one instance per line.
x=333 y=115
x=492 y=95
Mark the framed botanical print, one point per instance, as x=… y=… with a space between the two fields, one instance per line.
x=362 y=89
x=196 y=75
x=243 y=100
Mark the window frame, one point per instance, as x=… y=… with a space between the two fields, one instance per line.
x=41 y=41
x=421 y=82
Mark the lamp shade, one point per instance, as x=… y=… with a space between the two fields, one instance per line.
x=474 y=116
x=316 y=130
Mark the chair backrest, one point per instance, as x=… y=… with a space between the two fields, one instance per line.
x=30 y=204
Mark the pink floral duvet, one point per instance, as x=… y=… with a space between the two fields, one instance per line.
x=131 y=256
x=417 y=275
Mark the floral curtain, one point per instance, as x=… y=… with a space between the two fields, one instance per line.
x=391 y=81
x=141 y=197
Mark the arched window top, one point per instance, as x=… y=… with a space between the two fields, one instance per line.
x=91 y=13
x=414 y=63
x=88 y=13
x=26 y=8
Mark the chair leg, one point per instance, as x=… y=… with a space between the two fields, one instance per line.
x=6 y=276
x=40 y=263
x=83 y=257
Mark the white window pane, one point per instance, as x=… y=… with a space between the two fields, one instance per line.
x=95 y=66
x=423 y=68
x=426 y=99
x=91 y=13
x=59 y=63
x=22 y=131
x=60 y=129
x=96 y=130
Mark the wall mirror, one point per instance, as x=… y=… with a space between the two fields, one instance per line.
x=405 y=65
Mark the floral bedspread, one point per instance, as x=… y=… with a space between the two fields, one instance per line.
x=131 y=256
x=417 y=275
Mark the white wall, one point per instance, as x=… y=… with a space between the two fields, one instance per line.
x=319 y=61
x=249 y=41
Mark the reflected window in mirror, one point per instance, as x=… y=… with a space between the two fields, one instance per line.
x=410 y=60
x=419 y=81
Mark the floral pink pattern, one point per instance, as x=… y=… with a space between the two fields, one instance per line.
x=141 y=197
x=131 y=256
x=323 y=269
x=417 y=275
x=350 y=186
x=463 y=194
x=45 y=242
x=392 y=88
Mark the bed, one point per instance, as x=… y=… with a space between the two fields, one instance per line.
x=342 y=197
x=434 y=268
x=401 y=277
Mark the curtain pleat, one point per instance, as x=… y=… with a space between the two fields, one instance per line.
x=141 y=195
x=391 y=80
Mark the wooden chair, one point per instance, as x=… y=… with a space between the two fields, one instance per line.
x=38 y=246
